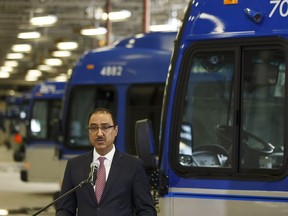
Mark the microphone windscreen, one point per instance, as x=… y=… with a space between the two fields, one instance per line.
x=93 y=164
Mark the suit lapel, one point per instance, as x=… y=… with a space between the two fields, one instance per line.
x=86 y=171
x=115 y=169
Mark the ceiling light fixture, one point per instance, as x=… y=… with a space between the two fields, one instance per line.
x=4 y=74
x=11 y=63
x=53 y=62
x=94 y=31
x=21 y=48
x=117 y=15
x=68 y=45
x=28 y=78
x=61 y=53
x=15 y=56
x=61 y=78
x=173 y=24
x=29 y=35
x=34 y=73
x=44 y=20
x=44 y=68
x=6 y=69
x=164 y=27
x=3 y=212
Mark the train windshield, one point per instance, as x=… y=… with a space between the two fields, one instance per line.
x=44 y=112
x=139 y=101
x=234 y=118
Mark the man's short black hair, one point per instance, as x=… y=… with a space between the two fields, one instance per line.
x=103 y=110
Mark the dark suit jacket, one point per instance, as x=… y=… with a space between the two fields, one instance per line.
x=126 y=193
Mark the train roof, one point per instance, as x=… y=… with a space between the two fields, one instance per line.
x=142 y=58
x=242 y=18
x=49 y=90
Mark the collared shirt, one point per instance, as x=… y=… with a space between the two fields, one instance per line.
x=107 y=162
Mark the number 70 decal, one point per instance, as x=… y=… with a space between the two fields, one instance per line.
x=281 y=6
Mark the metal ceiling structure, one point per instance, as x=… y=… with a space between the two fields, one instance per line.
x=72 y=15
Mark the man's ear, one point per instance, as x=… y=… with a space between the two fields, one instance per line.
x=116 y=128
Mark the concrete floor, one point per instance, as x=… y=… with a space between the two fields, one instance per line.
x=21 y=198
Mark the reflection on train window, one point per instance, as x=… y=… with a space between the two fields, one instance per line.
x=207 y=106
x=84 y=100
x=262 y=132
x=43 y=114
x=38 y=125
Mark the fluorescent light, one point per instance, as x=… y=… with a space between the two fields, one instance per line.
x=61 y=78
x=61 y=53
x=94 y=31
x=3 y=212
x=11 y=63
x=44 y=68
x=4 y=74
x=173 y=24
x=53 y=62
x=21 y=48
x=43 y=20
x=11 y=92
x=165 y=27
x=69 y=45
x=34 y=73
x=6 y=69
x=117 y=15
x=27 y=78
x=69 y=72
x=29 y=35
x=15 y=56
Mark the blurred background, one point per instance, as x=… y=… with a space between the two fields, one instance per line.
x=42 y=39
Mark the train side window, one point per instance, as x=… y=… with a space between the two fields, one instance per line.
x=143 y=101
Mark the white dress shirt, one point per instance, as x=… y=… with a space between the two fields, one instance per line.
x=107 y=161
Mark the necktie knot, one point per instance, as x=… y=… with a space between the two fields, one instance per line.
x=101 y=159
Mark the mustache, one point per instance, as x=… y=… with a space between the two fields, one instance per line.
x=100 y=139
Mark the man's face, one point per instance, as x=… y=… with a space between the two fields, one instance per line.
x=102 y=139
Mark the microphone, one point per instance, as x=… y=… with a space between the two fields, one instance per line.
x=93 y=173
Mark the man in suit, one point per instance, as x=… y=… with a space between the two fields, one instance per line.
x=126 y=191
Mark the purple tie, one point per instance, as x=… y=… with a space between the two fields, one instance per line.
x=101 y=179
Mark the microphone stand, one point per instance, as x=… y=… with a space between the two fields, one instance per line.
x=68 y=192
